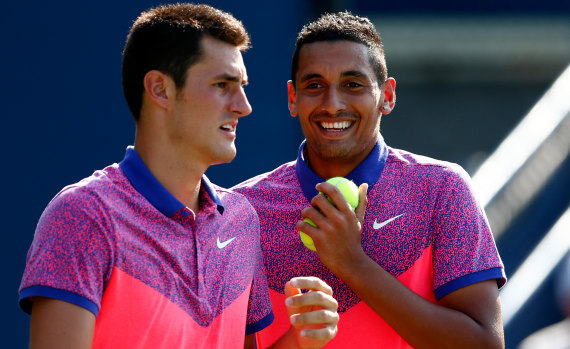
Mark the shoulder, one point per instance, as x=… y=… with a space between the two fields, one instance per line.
x=409 y=164
x=234 y=201
x=76 y=222
x=277 y=178
x=398 y=157
x=86 y=197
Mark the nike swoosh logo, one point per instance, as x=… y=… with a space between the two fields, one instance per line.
x=225 y=243
x=380 y=225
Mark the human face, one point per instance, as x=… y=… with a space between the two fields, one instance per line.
x=207 y=108
x=338 y=101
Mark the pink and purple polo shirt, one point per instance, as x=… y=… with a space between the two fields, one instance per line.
x=422 y=224
x=155 y=274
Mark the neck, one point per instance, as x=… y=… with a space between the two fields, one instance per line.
x=329 y=168
x=181 y=177
x=333 y=167
x=340 y=164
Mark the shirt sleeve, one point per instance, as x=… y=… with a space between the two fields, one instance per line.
x=70 y=257
x=464 y=249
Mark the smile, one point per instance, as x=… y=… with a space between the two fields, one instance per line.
x=336 y=126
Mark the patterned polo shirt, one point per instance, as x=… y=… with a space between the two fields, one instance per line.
x=422 y=224
x=154 y=273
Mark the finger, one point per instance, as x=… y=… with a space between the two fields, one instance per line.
x=322 y=334
x=316 y=226
x=312 y=300
x=318 y=317
x=337 y=199
x=291 y=290
x=312 y=214
x=362 y=202
x=311 y=283
x=322 y=203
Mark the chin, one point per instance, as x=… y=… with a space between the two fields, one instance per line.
x=335 y=152
x=224 y=158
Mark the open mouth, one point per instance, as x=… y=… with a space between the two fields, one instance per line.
x=336 y=126
x=228 y=127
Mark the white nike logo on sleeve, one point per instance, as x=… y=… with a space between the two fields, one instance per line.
x=380 y=225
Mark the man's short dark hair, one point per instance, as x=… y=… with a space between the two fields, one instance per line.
x=168 y=38
x=343 y=26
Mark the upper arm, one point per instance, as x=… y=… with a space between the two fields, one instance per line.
x=249 y=342
x=481 y=302
x=58 y=324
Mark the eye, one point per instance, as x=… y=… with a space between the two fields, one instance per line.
x=313 y=85
x=353 y=84
x=221 y=84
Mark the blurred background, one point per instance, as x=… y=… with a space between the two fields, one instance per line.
x=480 y=83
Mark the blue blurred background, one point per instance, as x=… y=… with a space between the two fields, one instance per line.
x=467 y=74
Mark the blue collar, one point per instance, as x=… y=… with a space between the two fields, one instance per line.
x=149 y=187
x=368 y=171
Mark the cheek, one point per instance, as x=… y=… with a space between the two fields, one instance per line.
x=307 y=102
x=368 y=108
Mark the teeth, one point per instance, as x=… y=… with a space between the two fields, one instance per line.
x=228 y=127
x=339 y=125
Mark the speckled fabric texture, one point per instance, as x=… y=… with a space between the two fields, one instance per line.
x=119 y=231
x=422 y=224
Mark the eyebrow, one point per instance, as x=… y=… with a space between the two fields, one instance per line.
x=349 y=73
x=310 y=76
x=354 y=73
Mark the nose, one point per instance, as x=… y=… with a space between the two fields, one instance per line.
x=240 y=105
x=333 y=101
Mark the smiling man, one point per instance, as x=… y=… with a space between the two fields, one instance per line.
x=416 y=264
x=148 y=253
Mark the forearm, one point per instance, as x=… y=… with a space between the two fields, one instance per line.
x=288 y=340
x=421 y=323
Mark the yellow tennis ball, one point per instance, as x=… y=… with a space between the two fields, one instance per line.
x=306 y=239
x=350 y=192
x=347 y=188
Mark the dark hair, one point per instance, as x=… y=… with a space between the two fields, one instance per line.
x=343 y=26
x=167 y=38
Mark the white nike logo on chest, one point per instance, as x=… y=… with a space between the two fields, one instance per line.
x=223 y=244
x=377 y=225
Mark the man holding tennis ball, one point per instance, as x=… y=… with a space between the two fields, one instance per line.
x=421 y=269
x=350 y=192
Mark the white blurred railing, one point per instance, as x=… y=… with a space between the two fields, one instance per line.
x=516 y=171
x=524 y=161
x=536 y=268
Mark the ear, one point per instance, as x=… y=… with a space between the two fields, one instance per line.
x=291 y=98
x=157 y=87
x=388 y=101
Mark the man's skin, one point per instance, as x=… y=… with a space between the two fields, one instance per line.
x=335 y=83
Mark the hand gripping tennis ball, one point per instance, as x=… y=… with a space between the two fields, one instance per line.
x=350 y=192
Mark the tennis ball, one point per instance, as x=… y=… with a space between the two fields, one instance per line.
x=306 y=239
x=347 y=188
x=350 y=192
